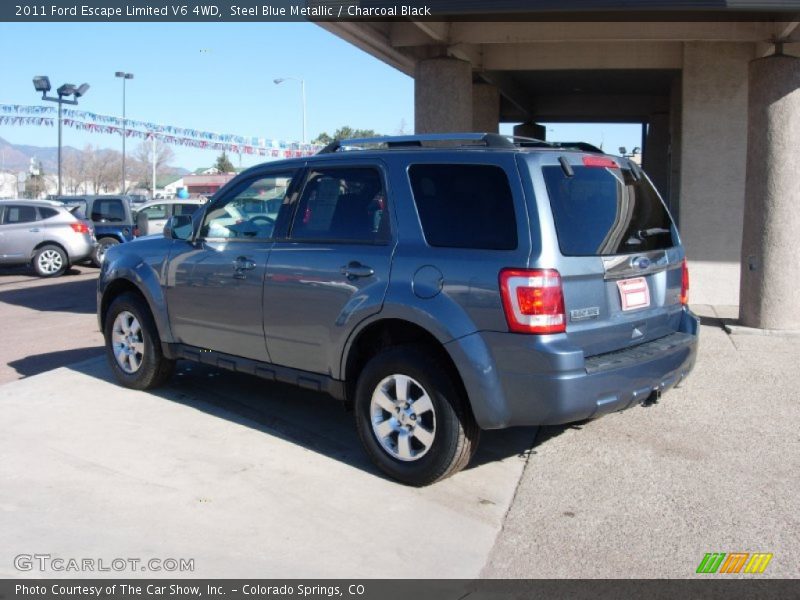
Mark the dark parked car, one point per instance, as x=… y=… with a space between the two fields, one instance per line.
x=112 y=217
x=440 y=285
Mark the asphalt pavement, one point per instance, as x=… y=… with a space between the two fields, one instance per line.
x=254 y=479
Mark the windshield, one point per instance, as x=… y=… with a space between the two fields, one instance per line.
x=601 y=211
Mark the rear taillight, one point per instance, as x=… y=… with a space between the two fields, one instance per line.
x=79 y=227
x=533 y=300
x=684 y=283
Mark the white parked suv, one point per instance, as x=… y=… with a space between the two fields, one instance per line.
x=151 y=217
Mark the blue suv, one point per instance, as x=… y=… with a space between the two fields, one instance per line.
x=439 y=285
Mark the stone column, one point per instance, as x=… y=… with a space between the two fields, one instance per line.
x=770 y=271
x=531 y=130
x=442 y=96
x=485 y=108
x=713 y=160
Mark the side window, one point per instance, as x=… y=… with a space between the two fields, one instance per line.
x=47 y=213
x=342 y=204
x=247 y=212
x=184 y=209
x=19 y=214
x=464 y=206
x=158 y=211
x=108 y=211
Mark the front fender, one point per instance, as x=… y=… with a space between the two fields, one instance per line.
x=145 y=274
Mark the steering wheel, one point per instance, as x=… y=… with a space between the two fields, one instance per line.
x=262 y=220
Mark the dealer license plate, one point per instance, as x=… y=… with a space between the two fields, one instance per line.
x=634 y=293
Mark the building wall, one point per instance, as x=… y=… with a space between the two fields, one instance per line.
x=713 y=159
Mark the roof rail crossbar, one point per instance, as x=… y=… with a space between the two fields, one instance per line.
x=491 y=140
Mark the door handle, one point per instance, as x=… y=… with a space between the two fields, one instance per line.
x=240 y=265
x=243 y=264
x=355 y=269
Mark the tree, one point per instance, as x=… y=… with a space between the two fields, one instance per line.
x=74 y=170
x=103 y=168
x=344 y=133
x=144 y=161
x=35 y=185
x=223 y=164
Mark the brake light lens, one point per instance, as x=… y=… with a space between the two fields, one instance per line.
x=533 y=300
x=600 y=161
x=79 y=227
x=684 y=283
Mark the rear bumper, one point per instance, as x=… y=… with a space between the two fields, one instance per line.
x=80 y=248
x=516 y=379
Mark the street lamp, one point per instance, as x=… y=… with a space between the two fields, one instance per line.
x=41 y=83
x=280 y=80
x=124 y=76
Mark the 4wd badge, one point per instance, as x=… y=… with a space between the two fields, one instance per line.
x=581 y=314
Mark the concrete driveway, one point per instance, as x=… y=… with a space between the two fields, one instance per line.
x=259 y=480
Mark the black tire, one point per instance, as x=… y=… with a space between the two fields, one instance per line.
x=455 y=435
x=153 y=367
x=103 y=244
x=50 y=261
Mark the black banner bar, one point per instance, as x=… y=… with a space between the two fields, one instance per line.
x=152 y=11
x=376 y=589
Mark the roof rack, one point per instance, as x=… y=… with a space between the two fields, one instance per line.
x=490 y=140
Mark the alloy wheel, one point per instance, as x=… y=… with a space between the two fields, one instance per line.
x=403 y=417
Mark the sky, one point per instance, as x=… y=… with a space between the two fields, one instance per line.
x=219 y=77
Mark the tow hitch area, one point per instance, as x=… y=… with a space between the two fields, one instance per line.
x=652 y=399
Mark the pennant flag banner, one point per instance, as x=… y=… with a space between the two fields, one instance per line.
x=21 y=114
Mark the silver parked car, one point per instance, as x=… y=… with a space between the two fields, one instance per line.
x=45 y=234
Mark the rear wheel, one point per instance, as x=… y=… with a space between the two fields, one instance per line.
x=50 y=261
x=103 y=244
x=133 y=348
x=412 y=419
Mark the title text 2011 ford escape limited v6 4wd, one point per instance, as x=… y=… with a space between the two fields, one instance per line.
x=442 y=284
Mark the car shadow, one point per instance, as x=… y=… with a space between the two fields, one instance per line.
x=27 y=271
x=309 y=419
x=78 y=296
x=39 y=363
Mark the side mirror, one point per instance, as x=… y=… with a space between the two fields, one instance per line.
x=179 y=227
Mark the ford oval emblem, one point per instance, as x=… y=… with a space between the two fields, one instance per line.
x=641 y=261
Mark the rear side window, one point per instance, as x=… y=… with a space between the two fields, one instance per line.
x=600 y=211
x=464 y=206
x=19 y=214
x=47 y=213
x=344 y=205
x=108 y=211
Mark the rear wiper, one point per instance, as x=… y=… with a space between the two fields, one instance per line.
x=646 y=233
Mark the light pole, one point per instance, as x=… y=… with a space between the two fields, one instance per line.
x=280 y=80
x=124 y=76
x=41 y=83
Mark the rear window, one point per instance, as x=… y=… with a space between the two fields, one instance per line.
x=601 y=211
x=108 y=211
x=47 y=213
x=464 y=206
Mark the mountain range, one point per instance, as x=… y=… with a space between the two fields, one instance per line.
x=17 y=157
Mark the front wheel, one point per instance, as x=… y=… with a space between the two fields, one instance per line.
x=103 y=244
x=133 y=348
x=412 y=418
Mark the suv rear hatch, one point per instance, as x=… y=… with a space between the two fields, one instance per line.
x=621 y=262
